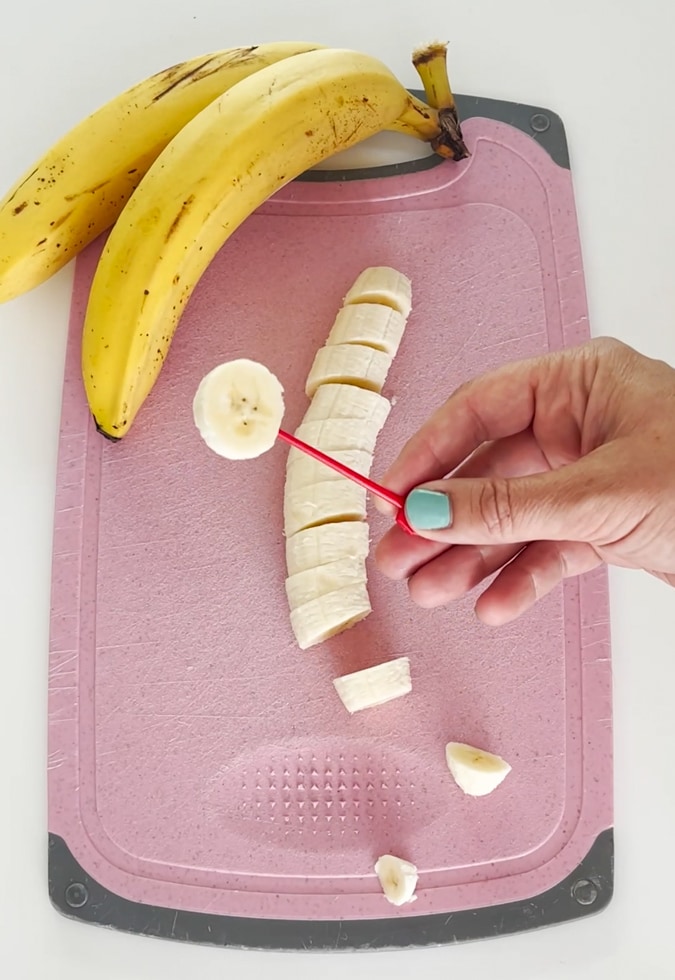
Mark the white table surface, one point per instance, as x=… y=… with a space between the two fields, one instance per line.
x=606 y=67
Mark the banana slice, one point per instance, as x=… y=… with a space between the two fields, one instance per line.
x=338 y=401
x=315 y=582
x=302 y=470
x=370 y=324
x=476 y=772
x=398 y=879
x=381 y=284
x=321 y=618
x=374 y=685
x=327 y=543
x=238 y=408
x=351 y=364
x=321 y=503
x=335 y=435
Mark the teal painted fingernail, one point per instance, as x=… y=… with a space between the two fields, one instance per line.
x=428 y=510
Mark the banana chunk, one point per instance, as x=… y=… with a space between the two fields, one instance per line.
x=335 y=435
x=398 y=879
x=476 y=772
x=321 y=503
x=374 y=685
x=326 y=543
x=351 y=364
x=303 y=471
x=315 y=582
x=321 y=618
x=384 y=285
x=346 y=401
x=369 y=324
x=238 y=408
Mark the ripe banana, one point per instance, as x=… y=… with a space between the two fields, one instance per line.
x=370 y=325
x=327 y=543
x=219 y=168
x=476 y=772
x=79 y=187
x=238 y=408
x=344 y=419
x=398 y=879
x=430 y=62
x=374 y=685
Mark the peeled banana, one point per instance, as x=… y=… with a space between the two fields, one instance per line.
x=351 y=364
x=398 y=879
x=310 y=549
x=383 y=285
x=475 y=771
x=329 y=614
x=370 y=325
x=374 y=685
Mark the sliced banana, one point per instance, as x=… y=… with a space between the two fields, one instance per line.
x=476 y=772
x=326 y=543
x=398 y=879
x=370 y=324
x=238 y=408
x=302 y=470
x=315 y=582
x=344 y=401
x=323 y=617
x=384 y=285
x=351 y=364
x=322 y=503
x=374 y=685
x=336 y=435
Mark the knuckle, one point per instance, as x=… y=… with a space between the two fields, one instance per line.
x=495 y=507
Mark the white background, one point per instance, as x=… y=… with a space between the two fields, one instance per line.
x=606 y=67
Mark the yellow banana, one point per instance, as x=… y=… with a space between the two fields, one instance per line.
x=78 y=188
x=222 y=165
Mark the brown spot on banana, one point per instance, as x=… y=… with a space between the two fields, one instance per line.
x=87 y=190
x=186 y=76
x=20 y=207
x=177 y=220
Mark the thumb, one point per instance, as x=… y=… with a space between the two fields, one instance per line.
x=577 y=502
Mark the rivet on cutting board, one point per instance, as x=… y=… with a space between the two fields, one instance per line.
x=76 y=895
x=584 y=892
x=539 y=122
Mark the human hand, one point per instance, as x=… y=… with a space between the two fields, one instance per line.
x=571 y=463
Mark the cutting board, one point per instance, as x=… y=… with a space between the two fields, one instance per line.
x=205 y=782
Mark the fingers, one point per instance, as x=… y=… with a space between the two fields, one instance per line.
x=457 y=571
x=494 y=406
x=531 y=575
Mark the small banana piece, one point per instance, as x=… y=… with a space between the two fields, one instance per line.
x=326 y=543
x=338 y=434
x=323 y=617
x=384 y=285
x=80 y=186
x=238 y=408
x=228 y=160
x=303 y=471
x=398 y=879
x=341 y=401
x=351 y=364
x=331 y=577
x=370 y=325
x=375 y=685
x=322 y=503
x=476 y=772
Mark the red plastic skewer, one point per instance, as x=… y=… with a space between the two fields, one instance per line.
x=392 y=498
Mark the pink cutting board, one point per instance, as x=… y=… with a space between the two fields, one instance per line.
x=205 y=782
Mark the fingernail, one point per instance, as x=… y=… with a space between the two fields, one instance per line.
x=428 y=510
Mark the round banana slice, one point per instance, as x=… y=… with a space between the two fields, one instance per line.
x=398 y=879
x=238 y=408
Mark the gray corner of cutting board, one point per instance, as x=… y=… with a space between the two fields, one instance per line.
x=586 y=891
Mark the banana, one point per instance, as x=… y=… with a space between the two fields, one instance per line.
x=303 y=471
x=374 y=685
x=476 y=772
x=430 y=61
x=345 y=401
x=238 y=408
x=370 y=325
x=310 y=549
x=384 y=285
x=323 y=503
x=331 y=577
x=79 y=187
x=327 y=615
x=338 y=434
x=350 y=364
x=220 y=167
x=398 y=879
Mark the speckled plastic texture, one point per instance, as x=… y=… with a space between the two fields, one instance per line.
x=198 y=760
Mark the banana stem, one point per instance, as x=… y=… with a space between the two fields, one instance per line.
x=430 y=62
